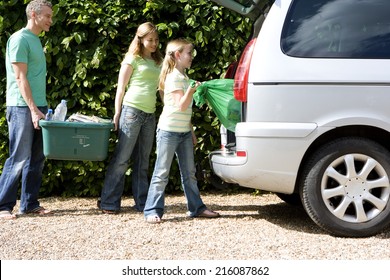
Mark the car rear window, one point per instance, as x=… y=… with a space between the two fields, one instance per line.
x=337 y=29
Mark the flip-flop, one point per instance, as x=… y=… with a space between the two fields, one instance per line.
x=110 y=212
x=153 y=219
x=7 y=215
x=209 y=214
x=39 y=211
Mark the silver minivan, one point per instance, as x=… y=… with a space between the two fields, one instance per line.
x=314 y=82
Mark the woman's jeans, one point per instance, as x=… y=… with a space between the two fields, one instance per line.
x=169 y=144
x=25 y=161
x=135 y=141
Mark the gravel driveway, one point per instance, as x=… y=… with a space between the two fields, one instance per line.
x=251 y=227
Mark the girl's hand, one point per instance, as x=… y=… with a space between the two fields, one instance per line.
x=116 y=121
x=194 y=139
x=194 y=85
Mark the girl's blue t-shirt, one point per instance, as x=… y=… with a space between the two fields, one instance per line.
x=25 y=47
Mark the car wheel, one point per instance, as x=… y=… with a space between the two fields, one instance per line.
x=346 y=187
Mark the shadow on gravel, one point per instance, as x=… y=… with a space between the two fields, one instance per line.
x=284 y=215
x=289 y=217
x=295 y=218
x=281 y=214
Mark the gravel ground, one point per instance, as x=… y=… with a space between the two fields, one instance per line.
x=251 y=227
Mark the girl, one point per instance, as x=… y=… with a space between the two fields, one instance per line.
x=175 y=135
x=135 y=119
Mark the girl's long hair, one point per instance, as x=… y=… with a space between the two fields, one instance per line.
x=169 y=62
x=136 y=47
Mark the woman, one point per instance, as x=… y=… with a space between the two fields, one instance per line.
x=135 y=119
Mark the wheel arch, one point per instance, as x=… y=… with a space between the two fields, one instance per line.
x=376 y=134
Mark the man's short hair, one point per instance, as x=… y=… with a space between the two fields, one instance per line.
x=36 y=6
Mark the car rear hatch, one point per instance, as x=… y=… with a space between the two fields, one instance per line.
x=248 y=8
x=256 y=11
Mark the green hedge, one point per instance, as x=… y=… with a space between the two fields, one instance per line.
x=84 y=49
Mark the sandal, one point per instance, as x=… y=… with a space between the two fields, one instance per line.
x=7 y=215
x=105 y=211
x=208 y=214
x=153 y=219
x=39 y=210
x=111 y=212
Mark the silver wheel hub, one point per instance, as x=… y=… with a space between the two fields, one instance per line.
x=355 y=188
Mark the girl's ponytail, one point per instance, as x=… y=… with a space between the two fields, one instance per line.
x=169 y=59
x=167 y=67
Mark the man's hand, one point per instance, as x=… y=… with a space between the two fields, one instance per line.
x=37 y=115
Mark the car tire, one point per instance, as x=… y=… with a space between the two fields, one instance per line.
x=346 y=187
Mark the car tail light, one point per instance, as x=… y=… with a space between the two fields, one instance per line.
x=241 y=153
x=241 y=78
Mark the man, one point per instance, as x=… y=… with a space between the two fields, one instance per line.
x=26 y=105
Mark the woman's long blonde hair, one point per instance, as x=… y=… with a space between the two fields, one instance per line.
x=169 y=62
x=136 y=47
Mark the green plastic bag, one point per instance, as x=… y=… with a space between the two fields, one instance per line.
x=218 y=94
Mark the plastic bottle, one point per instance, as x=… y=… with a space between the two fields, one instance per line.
x=60 y=111
x=49 y=115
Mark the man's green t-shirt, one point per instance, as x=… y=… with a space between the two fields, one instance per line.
x=26 y=47
x=142 y=89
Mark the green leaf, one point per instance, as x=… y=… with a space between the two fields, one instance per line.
x=78 y=38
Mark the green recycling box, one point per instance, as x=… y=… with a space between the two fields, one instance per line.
x=75 y=140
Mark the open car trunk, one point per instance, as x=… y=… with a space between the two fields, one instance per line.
x=256 y=11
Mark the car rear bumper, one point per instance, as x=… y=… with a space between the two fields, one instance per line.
x=272 y=154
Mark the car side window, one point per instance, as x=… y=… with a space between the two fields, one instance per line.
x=337 y=29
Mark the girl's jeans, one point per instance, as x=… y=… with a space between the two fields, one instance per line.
x=169 y=144
x=135 y=140
x=25 y=161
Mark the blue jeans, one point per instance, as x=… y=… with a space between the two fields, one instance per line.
x=135 y=141
x=25 y=161
x=169 y=144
